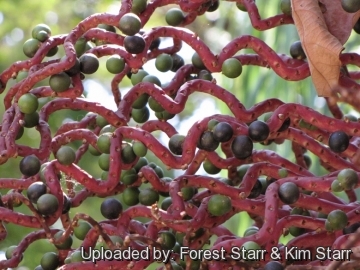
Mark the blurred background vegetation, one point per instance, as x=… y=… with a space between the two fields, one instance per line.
x=18 y=17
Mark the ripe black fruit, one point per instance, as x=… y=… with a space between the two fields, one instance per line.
x=89 y=63
x=30 y=165
x=134 y=44
x=338 y=141
x=258 y=131
x=35 y=191
x=242 y=147
x=274 y=266
x=111 y=208
x=289 y=193
x=296 y=51
x=223 y=132
x=207 y=142
x=175 y=144
x=350 y=6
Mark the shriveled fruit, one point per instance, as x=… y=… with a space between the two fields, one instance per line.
x=81 y=229
x=219 y=205
x=148 y=196
x=338 y=141
x=258 y=131
x=89 y=63
x=115 y=64
x=174 y=17
x=49 y=261
x=47 y=204
x=176 y=144
x=231 y=68
x=289 y=192
x=35 y=191
x=207 y=142
x=242 y=147
x=60 y=82
x=30 y=165
x=28 y=103
x=134 y=44
x=130 y=24
x=66 y=155
x=111 y=208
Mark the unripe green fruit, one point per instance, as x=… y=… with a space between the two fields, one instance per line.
x=65 y=155
x=28 y=103
x=174 y=17
x=130 y=24
x=231 y=68
x=40 y=28
x=164 y=62
x=82 y=228
x=115 y=64
x=60 y=82
x=219 y=205
x=31 y=46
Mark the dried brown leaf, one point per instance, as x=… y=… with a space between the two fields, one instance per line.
x=323 y=28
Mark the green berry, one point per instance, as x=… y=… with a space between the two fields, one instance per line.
x=139 y=148
x=115 y=64
x=174 y=17
x=219 y=205
x=231 y=68
x=81 y=229
x=65 y=155
x=28 y=103
x=31 y=46
x=60 y=82
x=164 y=62
x=40 y=28
x=130 y=24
